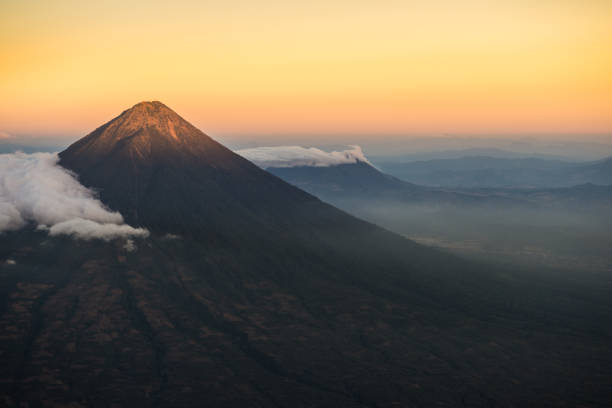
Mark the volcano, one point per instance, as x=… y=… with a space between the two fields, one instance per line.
x=252 y=292
x=161 y=172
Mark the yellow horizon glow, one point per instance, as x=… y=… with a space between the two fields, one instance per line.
x=277 y=67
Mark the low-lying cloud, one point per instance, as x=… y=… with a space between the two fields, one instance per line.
x=298 y=156
x=35 y=189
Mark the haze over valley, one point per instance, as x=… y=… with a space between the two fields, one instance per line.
x=567 y=227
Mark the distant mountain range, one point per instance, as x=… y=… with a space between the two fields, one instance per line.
x=563 y=226
x=461 y=153
x=360 y=183
x=483 y=171
x=342 y=183
x=249 y=291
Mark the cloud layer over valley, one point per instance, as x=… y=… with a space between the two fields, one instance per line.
x=297 y=156
x=35 y=189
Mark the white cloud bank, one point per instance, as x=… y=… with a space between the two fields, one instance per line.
x=34 y=188
x=297 y=156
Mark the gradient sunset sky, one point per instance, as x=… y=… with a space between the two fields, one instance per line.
x=316 y=67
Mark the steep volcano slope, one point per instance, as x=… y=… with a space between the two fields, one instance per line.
x=162 y=173
x=270 y=297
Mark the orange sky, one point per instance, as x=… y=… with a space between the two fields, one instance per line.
x=276 y=67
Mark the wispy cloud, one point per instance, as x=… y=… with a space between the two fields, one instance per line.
x=297 y=156
x=35 y=189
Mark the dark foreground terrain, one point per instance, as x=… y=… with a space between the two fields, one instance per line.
x=251 y=292
x=178 y=323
